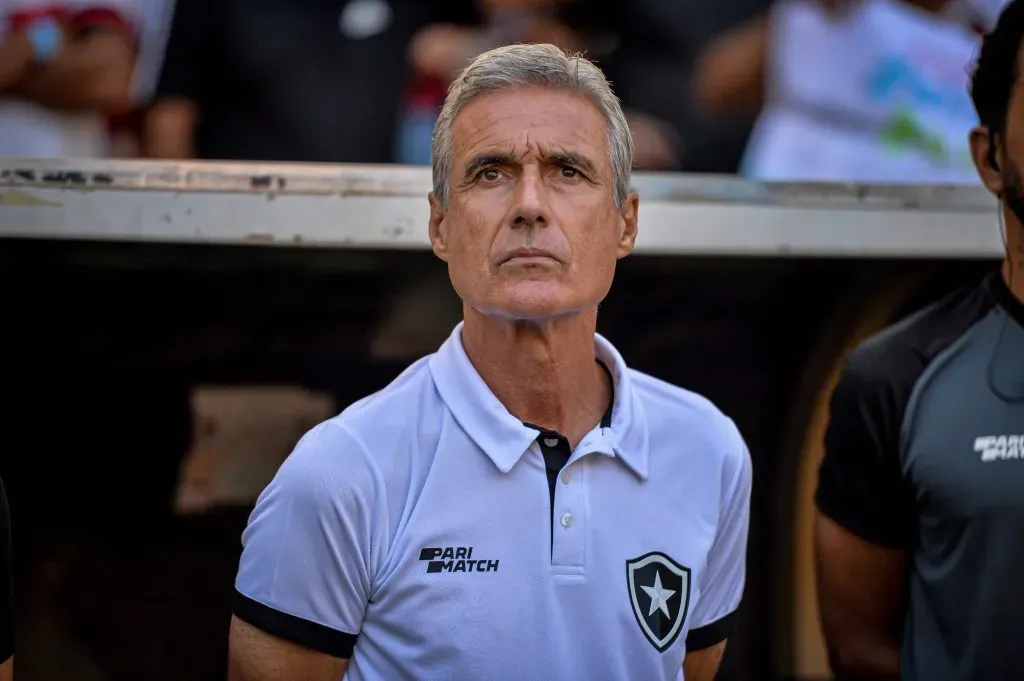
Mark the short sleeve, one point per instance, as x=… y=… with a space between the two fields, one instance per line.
x=191 y=56
x=860 y=483
x=714 y=613
x=314 y=543
x=6 y=581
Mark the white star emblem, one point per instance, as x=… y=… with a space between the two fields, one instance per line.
x=659 y=596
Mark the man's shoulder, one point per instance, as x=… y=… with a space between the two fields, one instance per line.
x=661 y=396
x=391 y=404
x=898 y=355
x=675 y=414
x=371 y=429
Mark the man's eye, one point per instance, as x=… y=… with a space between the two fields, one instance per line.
x=490 y=174
x=569 y=171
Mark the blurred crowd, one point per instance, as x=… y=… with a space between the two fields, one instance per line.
x=841 y=90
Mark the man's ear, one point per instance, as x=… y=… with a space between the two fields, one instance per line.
x=988 y=158
x=628 y=215
x=438 y=229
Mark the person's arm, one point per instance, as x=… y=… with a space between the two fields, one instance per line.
x=258 y=656
x=702 y=665
x=92 y=68
x=730 y=75
x=863 y=525
x=191 y=61
x=860 y=591
x=312 y=549
x=6 y=592
x=15 y=58
x=714 y=613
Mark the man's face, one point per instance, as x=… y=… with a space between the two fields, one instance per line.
x=1004 y=178
x=1012 y=151
x=531 y=230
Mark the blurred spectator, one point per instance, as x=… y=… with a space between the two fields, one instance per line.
x=288 y=80
x=981 y=14
x=852 y=90
x=64 y=66
x=153 y=27
x=645 y=46
x=440 y=51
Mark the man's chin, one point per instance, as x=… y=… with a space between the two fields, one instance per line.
x=531 y=308
x=531 y=300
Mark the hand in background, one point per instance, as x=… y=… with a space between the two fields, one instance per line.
x=15 y=59
x=442 y=50
x=655 y=142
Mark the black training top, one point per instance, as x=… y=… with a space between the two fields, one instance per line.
x=297 y=80
x=925 y=452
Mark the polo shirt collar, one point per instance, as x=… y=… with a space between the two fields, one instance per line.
x=504 y=438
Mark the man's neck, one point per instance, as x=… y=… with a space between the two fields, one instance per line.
x=1013 y=264
x=545 y=373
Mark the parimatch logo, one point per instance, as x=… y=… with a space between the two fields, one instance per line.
x=455 y=559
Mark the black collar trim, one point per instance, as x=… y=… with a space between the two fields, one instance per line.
x=1002 y=295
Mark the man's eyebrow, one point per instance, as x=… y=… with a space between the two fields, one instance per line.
x=564 y=158
x=485 y=160
x=571 y=158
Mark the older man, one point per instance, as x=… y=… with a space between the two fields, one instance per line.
x=519 y=505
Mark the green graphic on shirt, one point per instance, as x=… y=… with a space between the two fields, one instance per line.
x=904 y=131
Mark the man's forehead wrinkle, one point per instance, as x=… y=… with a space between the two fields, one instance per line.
x=490 y=142
x=493 y=130
x=527 y=149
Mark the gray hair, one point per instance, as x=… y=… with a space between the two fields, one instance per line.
x=540 y=66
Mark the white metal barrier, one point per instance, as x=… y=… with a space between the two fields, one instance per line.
x=385 y=207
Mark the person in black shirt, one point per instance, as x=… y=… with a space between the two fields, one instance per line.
x=288 y=80
x=6 y=592
x=920 y=525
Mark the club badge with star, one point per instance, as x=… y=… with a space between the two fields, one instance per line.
x=659 y=589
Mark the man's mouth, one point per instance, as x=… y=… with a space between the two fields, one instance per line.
x=529 y=256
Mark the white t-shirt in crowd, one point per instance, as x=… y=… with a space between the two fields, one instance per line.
x=876 y=94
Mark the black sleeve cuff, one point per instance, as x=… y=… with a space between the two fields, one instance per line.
x=710 y=634
x=892 y=537
x=295 y=629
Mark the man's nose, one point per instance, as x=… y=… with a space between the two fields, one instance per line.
x=530 y=200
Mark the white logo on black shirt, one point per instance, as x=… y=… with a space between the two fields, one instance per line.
x=999 y=447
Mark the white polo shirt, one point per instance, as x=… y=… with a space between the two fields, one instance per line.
x=415 y=534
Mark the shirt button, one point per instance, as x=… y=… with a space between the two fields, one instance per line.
x=566 y=476
x=550 y=441
x=566 y=520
